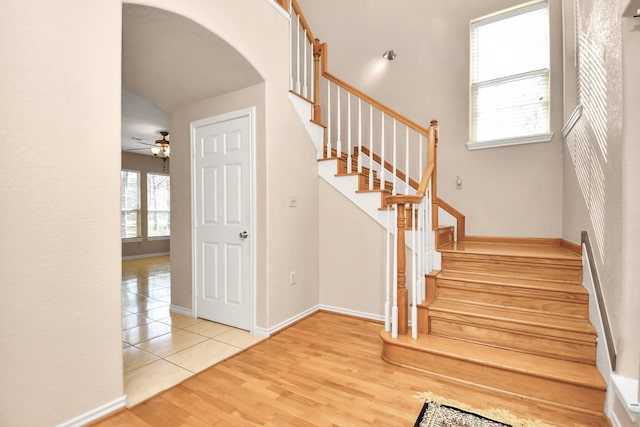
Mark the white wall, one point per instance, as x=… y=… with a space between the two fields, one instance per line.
x=60 y=258
x=352 y=256
x=512 y=191
x=60 y=267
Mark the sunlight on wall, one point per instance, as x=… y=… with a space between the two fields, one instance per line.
x=592 y=89
x=374 y=71
x=591 y=179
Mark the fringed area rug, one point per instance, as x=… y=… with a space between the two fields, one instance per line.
x=441 y=412
x=434 y=415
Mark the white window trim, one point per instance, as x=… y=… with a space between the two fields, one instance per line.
x=505 y=142
x=151 y=238
x=139 y=237
x=517 y=140
x=131 y=239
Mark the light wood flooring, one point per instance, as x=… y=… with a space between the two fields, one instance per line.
x=324 y=371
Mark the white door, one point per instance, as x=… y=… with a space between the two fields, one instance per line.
x=222 y=218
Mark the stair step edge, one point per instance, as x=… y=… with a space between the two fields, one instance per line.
x=504 y=280
x=503 y=314
x=576 y=373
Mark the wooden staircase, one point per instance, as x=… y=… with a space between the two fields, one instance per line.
x=509 y=320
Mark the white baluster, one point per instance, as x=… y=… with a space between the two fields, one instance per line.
x=406 y=163
x=420 y=168
x=395 y=155
x=414 y=276
x=394 y=308
x=359 y=135
x=290 y=47
x=338 y=127
x=370 y=147
x=421 y=271
x=328 y=119
x=388 y=282
x=382 y=170
x=349 y=165
x=304 y=77
x=298 y=56
x=312 y=76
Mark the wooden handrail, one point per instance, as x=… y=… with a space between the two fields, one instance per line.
x=399 y=117
x=303 y=21
x=459 y=216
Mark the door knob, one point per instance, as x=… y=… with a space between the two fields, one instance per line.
x=244 y=235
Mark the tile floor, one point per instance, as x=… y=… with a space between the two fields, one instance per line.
x=160 y=348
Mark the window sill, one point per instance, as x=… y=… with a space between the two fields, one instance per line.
x=158 y=238
x=132 y=240
x=505 y=142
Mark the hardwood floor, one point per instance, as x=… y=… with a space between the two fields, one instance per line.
x=326 y=370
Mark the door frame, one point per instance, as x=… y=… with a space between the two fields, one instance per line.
x=251 y=113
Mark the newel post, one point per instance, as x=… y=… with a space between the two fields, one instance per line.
x=433 y=154
x=317 y=52
x=403 y=317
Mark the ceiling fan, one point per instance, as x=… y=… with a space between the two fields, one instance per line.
x=162 y=148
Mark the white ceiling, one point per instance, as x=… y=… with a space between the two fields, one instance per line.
x=169 y=61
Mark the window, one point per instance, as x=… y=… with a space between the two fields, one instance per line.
x=510 y=77
x=158 y=205
x=129 y=204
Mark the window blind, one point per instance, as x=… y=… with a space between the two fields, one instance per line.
x=510 y=74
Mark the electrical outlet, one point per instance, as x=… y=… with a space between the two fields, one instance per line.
x=293 y=201
x=292 y=278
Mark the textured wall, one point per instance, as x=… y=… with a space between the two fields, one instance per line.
x=599 y=186
x=60 y=311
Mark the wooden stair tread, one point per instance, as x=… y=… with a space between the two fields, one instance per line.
x=513 y=315
x=581 y=374
x=516 y=282
x=511 y=250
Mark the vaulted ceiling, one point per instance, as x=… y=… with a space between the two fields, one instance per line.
x=170 y=61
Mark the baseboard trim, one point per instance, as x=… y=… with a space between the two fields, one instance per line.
x=97 y=413
x=130 y=257
x=181 y=310
x=352 y=313
x=267 y=332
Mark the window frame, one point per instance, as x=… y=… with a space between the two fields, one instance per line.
x=148 y=210
x=527 y=138
x=138 y=237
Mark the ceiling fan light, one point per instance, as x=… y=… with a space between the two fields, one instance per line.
x=155 y=150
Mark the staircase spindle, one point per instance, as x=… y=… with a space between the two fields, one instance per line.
x=291 y=14
x=414 y=276
x=382 y=174
x=304 y=77
x=395 y=160
x=298 y=55
x=370 y=147
x=349 y=165
x=338 y=125
x=388 y=281
x=406 y=161
x=359 y=135
x=394 y=307
x=328 y=119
